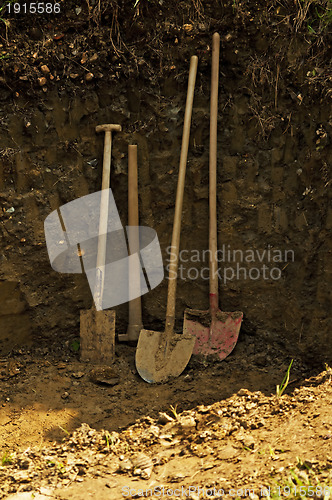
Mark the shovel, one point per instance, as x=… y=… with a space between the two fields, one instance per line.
x=163 y=355
x=216 y=332
x=135 y=324
x=97 y=326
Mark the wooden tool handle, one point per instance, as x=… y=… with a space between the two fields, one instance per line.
x=103 y=216
x=135 y=310
x=133 y=218
x=173 y=267
x=213 y=244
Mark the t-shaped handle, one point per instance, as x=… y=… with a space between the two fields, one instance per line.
x=108 y=127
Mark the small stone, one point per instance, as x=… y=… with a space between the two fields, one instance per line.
x=65 y=395
x=89 y=77
x=45 y=69
x=163 y=418
x=125 y=466
x=84 y=58
x=45 y=491
x=104 y=375
x=142 y=465
x=24 y=464
x=249 y=442
x=187 y=424
x=187 y=27
x=22 y=476
x=146 y=473
x=42 y=81
x=194 y=496
x=73 y=75
x=176 y=478
x=243 y=392
x=93 y=58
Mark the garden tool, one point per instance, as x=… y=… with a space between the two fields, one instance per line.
x=216 y=332
x=163 y=355
x=97 y=326
x=135 y=324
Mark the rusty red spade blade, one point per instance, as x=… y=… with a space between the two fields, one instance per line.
x=216 y=331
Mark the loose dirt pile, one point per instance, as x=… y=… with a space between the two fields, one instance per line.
x=248 y=445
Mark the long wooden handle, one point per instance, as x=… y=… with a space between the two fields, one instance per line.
x=103 y=219
x=133 y=219
x=173 y=267
x=135 y=310
x=213 y=244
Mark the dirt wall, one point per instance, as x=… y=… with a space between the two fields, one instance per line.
x=274 y=150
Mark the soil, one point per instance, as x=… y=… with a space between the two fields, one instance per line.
x=217 y=426
x=70 y=432
x=274 y=153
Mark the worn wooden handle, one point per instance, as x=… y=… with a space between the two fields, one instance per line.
x=173 y=267
x=213 y=244
x=103 y=216
x=135 y=309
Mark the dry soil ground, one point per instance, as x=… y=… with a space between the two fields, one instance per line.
x=219 y=425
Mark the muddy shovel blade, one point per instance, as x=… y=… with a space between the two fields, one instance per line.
x=163 y=355
x=156 y=361
x=97 y=334
x=216 y=336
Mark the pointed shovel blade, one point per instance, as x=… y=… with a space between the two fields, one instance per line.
x=215 y=337
x=158 y=360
